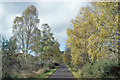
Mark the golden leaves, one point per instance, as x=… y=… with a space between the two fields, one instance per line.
x=92 y=30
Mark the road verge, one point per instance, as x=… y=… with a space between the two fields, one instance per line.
x=74 y=72
x=47 y=73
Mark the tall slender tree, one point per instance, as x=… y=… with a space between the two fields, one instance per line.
x=24 y=26
x=47 y=41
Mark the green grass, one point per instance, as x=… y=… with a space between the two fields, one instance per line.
x=47 y=73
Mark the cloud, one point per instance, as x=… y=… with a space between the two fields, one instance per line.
x=57 y=14
x=7 y=24
x=0 y=18
x=9 y=11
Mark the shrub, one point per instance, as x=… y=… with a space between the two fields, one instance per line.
x=106 y=68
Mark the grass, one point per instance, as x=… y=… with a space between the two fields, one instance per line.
x=47 y=73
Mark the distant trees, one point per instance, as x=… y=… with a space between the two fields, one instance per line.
x=95 y=33
x=56 y=56
x=67 y=56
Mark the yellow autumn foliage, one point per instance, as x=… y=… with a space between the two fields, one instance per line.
x=94 y=32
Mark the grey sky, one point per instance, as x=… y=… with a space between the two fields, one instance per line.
x=57 y=14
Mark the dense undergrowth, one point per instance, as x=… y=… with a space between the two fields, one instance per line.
x=108 y=68
x=26 y=69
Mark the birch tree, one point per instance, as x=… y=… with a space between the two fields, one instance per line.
x=23 y=28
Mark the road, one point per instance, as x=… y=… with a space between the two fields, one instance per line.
x=63 y=72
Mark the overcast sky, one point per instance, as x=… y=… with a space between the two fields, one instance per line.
x=57 y=14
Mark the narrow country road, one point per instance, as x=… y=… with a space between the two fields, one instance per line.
x=62 y=72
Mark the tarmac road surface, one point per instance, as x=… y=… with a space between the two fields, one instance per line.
x=63 y=72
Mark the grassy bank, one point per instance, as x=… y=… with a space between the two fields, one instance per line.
x=47 y=73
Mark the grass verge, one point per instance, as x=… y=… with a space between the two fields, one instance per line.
x=47 y=73
x=74 y=72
